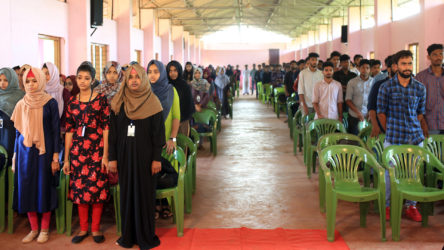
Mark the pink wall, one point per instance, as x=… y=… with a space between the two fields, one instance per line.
x=242 y=57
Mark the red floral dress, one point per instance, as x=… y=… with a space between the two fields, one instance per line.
x=88 y=184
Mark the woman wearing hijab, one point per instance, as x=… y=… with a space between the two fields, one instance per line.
x=174 y=70
x=71 y=85
x=62 y=79
x=222 y=82
x=36 y=154
x=188 y=73
x=10 y=94
x=137 y=135
x=86 y=140
x=53 y=87
x=169 y=99
x=200 y=90
x=113 y=76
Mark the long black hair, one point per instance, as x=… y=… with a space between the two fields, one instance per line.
x=188 y=76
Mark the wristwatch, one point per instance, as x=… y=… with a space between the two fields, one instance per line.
x=173 y=138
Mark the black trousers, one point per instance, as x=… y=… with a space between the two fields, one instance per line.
x=352 y=125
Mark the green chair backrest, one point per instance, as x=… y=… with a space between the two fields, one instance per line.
x=259 y=87
x=206 y=116
x=211 y=104
x=279 y=91
x=376 y=146
x=435 y=144
x=344 y=161
x=307 y=118
x=176 y=159
x=186 y=142
x=298 y=118
x=325 y=126
x=363 y=124
x=408 y=162
x=365 y=133
x=335 y=139
x=194 y=135
x=268 y=89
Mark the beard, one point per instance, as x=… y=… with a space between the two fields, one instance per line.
x=405 y=73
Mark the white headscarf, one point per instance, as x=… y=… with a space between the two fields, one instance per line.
x=53 y=86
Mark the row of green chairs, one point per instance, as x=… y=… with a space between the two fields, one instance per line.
x=209 y=117
x=279 y=105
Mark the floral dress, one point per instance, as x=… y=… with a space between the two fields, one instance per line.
x=88 y=184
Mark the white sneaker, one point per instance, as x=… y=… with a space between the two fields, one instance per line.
x=30 y=237
x=43 y=237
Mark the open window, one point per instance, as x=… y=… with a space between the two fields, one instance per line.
x=99 y=56
x=414 y=49
x=49 y=50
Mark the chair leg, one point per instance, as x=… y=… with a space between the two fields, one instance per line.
x=363 y=207
x=214 y=138
x=332 y=203
x=60 y=211
x=321 y=180
x=381 y=206
x=395 y=215
x=10 y=201
x=295 y=141
x=3 y=199
x=194 y=174
x=424 y=209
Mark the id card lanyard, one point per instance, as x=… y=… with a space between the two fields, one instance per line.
x=83 y=114
x=131 y=129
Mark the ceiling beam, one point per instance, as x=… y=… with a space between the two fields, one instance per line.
x=298 y=7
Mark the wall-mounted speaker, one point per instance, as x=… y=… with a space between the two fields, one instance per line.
x=344 y=33
x=96 y=13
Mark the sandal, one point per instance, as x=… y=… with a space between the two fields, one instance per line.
x=166 y=213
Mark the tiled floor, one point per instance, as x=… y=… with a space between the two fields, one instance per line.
x=256 y=182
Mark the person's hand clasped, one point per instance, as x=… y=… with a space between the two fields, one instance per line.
x=170 y=146
x=55 y=166
x=156 y=166
x=66 y=168
x=112 y=166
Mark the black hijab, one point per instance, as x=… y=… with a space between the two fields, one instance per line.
x=188 y=76
x=183 y=90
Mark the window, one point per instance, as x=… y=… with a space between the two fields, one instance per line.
x=372 y=55
x=99 y=56
x=404 y=8
x=108 y=9
x=137 y=56
x=414 y=49
x=157 y=56
x=367 y=16
x=49 y=50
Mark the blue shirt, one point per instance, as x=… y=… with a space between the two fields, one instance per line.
x=402 y=105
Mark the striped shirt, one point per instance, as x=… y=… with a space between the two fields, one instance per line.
x=435 y=98
x=402 y=105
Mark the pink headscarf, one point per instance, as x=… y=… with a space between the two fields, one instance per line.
x=53 y=86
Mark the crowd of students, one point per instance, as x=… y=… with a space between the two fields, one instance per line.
x=403 y=106
x=94 y=131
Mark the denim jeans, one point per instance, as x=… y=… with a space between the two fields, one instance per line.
x=387 y=184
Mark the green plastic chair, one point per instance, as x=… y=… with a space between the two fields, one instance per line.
x=335 y=139
x=268 y=91
x=435 y=145
x=209 y=117
x=305 y=120
x=3 y=189
x=213 y=106
x=376 y=146
x=406 y=164
x=290 y=102
x=345 y=119
x=314 y=131
x=298 y=131
x=363 y=124
x=264 y=92
x=196 y=139
x=59 y=212
x=339 y=179
x=277 y=104
x=194 y=135
x=186 y=143
x=259 y=91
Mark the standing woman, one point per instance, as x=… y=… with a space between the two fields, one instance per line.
x=57 y=91
x=71 y=85
x=221 y=82
x=87 y=125
x=10 y=94
x=174 y=70
x=189 y=72
x=36 y=154
x=113 y=76
x=137 y=135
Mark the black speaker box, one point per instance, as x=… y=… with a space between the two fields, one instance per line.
x=96 y=13
x=344 y=34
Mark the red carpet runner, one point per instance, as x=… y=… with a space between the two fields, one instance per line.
x=245 y=238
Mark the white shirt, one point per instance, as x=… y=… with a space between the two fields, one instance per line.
x=307 y=79
x=327 y=95
x=357 y=92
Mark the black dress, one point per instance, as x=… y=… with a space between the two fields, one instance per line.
x=134 y=156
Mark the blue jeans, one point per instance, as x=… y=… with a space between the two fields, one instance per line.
x=388 y=187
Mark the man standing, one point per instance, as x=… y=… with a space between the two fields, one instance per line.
x=334 y=58
x=245 y=80
x=290 y=77
x=433 y=80
x=258 y=77
x=356 y=98
x=356 y=60
x=327 y=96
x=307 y=78
x=277 y=77
x=401 y=109
x=344 y=75
x=375 y=67
x=392 y=69
x=253 y=80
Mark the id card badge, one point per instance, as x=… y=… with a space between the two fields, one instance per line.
x=131 y=130
x=1 y=123
x=83 y=131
